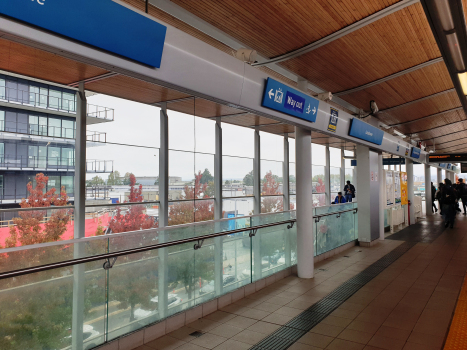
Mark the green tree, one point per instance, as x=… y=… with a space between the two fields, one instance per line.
x=114 y=178
x=206 y=177
x=227 y=182
x=248 y=180
x=126 y=178
x=209 y=192
x=292 y=178
x=95 y=181
x=157 y=181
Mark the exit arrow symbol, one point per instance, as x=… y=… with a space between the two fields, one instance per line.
x=271 y=93
x=314 y=110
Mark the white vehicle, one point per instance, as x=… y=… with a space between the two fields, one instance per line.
x=172 y=301
x=89 y=333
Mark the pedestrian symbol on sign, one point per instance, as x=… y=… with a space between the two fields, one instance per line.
x=279 y=96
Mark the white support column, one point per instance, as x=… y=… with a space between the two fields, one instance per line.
x=257 y=204
x=218 y=241
x=428 y=197
x=364 y=194
x=382 y=205
x=79 y=220
x=410 y=190
x=163 y=210
x=439 y=176
x=342 y=182
x=327 y=176
x=286 y=173
x=305 y=222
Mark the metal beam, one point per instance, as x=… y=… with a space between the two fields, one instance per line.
x=428 y=116
x=187 y=17
x=340 y=33
x=94 y=79
x=417 y=100
x=455 y=149
x=438 y=127
x=389 y=77
x=443 y=143
x=437 y=137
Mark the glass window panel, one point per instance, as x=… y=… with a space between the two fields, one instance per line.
x=272 y=146
x=33 y=95
x=55 y=127
x=54 y=182
x=292 y=150
x=272 y=204
x=335 y=157
x=318 y=154
x=43 y=97
x=68 y=102
x=238 y=141
x=181 y=212
x=292 y=179
x=319 y=200
x=205 y=135
x=2 y=89
x=348 y=161
x=335 y=180
x=55 y=99
x=2 y=120
x=33 y=154
x=293 y=202
x=53 y=155
x=204 y=210
x=237 y=176
x=67 y=129
x=204 y=165
x=68 y=183
x=68 y=157
x=181 y=131
x=349 y=175
x=318 y=184
x=181 y=175
x=234 y=207
x=271 y=177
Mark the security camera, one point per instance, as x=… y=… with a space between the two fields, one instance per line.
x=325 y=96
x=246 y=55
x=373 y=107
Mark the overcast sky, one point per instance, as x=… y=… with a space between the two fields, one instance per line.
x=133 y=141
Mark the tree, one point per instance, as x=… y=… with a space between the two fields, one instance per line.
x=248 y=180
x=95 y=181
x=114 y=178
x=227 y=182
x=292 y=178
x=210 y=189
x=157 y=181
x=206 y=177
x=271 y=188
x=126 y=178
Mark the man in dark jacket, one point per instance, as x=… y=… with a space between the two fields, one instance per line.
x=462 y=193
x=448 y=200
x=349 y=191
x=433 y=195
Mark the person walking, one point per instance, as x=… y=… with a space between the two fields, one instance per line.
x=349 y=191
x=339 y=199
x=462 y=192
x=448 y=199
x=433 y=195
x=438 y=196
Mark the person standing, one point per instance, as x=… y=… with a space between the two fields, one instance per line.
x=349 y=191
x=462 y=189
x=438 y=196
x=433 y=195
x=448 y=200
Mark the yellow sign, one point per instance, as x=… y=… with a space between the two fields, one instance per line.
x=404 y=193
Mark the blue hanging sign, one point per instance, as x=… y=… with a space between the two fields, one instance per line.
x=333 y=119
x=449 y=166
x=104 y=24
x=284 y=99
x=393 y=161
x=442 y=165
x=415 y=152
x=366 y=132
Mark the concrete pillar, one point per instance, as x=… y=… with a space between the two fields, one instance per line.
x=305 y=222
x=428 y=198
x=439 y=173
x=409 y=168
x=327 y=175
x=286 y=173
x=382 y=204
x=364 y=198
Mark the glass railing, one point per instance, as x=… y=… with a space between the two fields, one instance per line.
x=85 y=292
x=335 y=226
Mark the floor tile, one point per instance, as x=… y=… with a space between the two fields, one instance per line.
x=314 y=339
x=386 y=343
x=241 y=322
x=209 y=341
x=165 y=343
x=340 y=344
x=355 y=336
x=337 y=321
x=264 y=327
x=327 y=329
x=277 y=319
x=249 y=337
x=225 y=330
x=232 y=345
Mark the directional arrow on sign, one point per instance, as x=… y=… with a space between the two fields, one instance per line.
x=271 y=93
x=314 y=110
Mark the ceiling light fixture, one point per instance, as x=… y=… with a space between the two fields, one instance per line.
x=455 y=49
x=445 y=15
x=463 y=80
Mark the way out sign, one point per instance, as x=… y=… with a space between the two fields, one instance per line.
x=284 y=99
x=333 y=119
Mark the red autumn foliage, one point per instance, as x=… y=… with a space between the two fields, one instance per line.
x=32 y=227
x=186 y=212
x=271 y=187
x=134 y=218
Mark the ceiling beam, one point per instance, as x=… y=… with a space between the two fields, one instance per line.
x=428 y=116
x=94 y=79
x=187 y=17
x=456 y=148
x=389 y=77
x=417 y=100
x=443 y=143
x=340 y=33
x=437 y=137
x=439 y=127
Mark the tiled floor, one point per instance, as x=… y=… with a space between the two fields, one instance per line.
x=407 y=306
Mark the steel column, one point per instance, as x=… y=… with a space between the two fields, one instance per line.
x=218 y=241
x=257 y=205
x=286 y=174
x=428 y=197
x=327 y=176
x=410 y=189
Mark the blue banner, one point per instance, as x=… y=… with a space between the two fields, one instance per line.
x=104 y=24
x=333 y=119
x=284 y=99
x=415 y=152
x=366 y=132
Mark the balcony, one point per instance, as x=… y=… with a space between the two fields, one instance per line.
x=33 y=163
x=46 y=102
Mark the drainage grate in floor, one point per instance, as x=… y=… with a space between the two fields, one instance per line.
x=196 y=334
x=287 y=335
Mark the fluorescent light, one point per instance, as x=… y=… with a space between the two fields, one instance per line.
x=463 y=80
x=456 y=54
x=444 y=12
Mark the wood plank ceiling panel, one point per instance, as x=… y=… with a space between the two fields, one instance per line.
x=447 y=138
x=278 y=129
x=420 y=109
x=249 y=120
x=432 y=122
x=447 y=129
x=134 y=89
x=277 y=27
x=202 y=108
x=389 y=45
x=408 y=87
x=35 y=63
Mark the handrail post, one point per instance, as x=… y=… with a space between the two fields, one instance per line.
x=218 y=241
x=256 y=251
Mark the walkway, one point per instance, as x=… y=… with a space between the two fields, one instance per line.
x=403 y=294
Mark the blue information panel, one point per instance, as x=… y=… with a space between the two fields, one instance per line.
x=104 y=24
x=364 y=131
x=415 y=152
x=284 y=99
x=449 y=166
x=393 y=161
x=442 y=165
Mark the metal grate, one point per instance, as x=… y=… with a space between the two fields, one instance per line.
x=196 y=334
x=287 y=335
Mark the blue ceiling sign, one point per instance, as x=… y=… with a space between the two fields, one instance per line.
x=442 y=165
x=284 y=99
x=104 y=24
x=366 y=132
x=393 y=161
x=415 y=152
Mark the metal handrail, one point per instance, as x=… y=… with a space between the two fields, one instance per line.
x=77 y=261
x=318 y=217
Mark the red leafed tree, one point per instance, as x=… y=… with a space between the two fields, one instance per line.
x=185 y=212
x=32 y=227
x=134 y=219
x=271 y=187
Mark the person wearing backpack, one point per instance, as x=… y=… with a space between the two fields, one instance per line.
x=462 y=188
x=448 y=200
